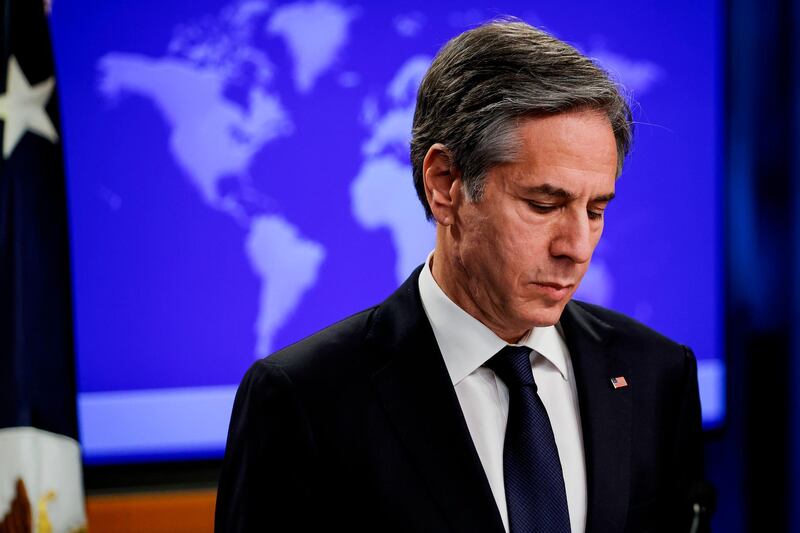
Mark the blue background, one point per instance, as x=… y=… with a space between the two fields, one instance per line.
x=164 y=296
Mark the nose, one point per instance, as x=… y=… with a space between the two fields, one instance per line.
x=573 y=237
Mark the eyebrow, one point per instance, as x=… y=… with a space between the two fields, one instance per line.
x=558 y=192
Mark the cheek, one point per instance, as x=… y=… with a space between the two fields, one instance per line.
x=596 y=234
x=527 y=244
x=508 y=246
x=520 y=257
x=489 y=257
x=504 y=250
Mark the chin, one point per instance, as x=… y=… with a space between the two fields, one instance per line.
x=546 y=316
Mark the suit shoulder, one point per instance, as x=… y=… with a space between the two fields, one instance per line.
x=625 y=324
x=634 y=335
x=327 y=348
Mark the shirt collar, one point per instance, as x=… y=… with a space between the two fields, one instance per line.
x=466 y=343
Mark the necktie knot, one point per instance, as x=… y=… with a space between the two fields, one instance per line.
x=512 y=364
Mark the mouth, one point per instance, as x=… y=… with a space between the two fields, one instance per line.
x=553 y=290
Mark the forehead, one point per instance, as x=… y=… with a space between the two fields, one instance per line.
x=575 y=149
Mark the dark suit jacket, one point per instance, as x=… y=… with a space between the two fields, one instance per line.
x=358 y=428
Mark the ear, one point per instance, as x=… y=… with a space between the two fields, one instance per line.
x=442 y=183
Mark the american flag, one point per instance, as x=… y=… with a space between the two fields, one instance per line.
x=619 y=382
x=40 y=461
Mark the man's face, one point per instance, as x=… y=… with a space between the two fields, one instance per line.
x=524 y=247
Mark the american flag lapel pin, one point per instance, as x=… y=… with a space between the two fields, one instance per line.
x=619 y=382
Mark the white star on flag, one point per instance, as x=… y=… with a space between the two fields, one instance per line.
x=22 y=108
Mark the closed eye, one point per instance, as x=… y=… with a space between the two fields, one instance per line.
x=542 y=208
x=549 y=208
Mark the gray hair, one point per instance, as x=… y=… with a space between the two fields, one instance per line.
x=484 y=81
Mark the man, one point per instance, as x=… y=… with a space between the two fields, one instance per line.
x=478 y=397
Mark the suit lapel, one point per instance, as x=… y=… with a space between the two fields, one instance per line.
x=416 y=391
x=605 y=418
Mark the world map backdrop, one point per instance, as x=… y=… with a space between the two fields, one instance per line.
x=239 y=178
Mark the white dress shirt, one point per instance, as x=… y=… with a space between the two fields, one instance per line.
x=466 y=344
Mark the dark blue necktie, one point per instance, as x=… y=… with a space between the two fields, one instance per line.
x=535 y=493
